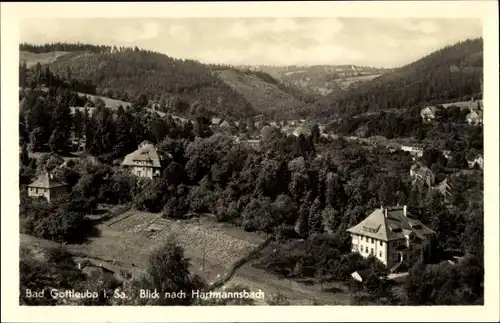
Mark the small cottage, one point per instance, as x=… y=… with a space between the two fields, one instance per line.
x=47 y=187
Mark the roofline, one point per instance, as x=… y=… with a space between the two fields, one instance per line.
x=50 y=186
x=139 y=165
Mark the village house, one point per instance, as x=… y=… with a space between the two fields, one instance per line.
x=254 y=143
x=225 y=126
x=417 y=150
x=475 y=117
x=447 y=154
x=301 y=130
x=392 y=236
x=144 y=162
x=428 y=114
x=216 y=121
x=422 y=174
x=47 y=187
x=478 y=160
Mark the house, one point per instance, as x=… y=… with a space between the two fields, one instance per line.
x=254 y=143
x=475 y=117
x=225 y=126
x=478 y=160
x=447 y=154
x=46 y=186
x=144 y=162
x=422 y=174
x=300 y=130
x=90 y=110
x=428 y=114
x=392 y=236
x=216 y=121
x=417 y=150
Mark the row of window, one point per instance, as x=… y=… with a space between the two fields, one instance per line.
x=37 y=190
x=371 y=240
x=364 y=249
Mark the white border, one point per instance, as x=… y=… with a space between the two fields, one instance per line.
x=12 y=13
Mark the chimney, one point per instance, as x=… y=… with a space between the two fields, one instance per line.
x=404 y=210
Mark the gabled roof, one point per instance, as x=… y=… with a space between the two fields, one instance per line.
x=146 y=152
x=45 y=181
x=389 y=224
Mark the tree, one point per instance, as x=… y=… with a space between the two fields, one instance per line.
x=125 y=142
x=168 y=272
x=315 y=133
x=315 y=221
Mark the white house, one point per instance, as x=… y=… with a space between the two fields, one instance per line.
x=144 y=162
x=47 y=187
x=476 y=161
x=392 y=236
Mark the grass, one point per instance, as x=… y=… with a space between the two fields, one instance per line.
x=110 y=103
x=346 y=82
x=43 y=58
x=261 y=94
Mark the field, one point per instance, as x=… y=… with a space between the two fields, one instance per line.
x=110 y=103
x=346 y=82
x=125 y=241
x=43 y=58
x=262 y=95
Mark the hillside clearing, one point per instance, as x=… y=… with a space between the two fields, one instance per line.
x=262 y=95
x=43 y=58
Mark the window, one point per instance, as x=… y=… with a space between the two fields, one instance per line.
x=381 y=243
x=372 y=252
x=380 y=254
x=361 y=238
x=372 y=240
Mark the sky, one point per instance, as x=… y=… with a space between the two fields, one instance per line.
x=377 y=42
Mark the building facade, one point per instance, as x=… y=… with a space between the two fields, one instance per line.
x=392 y=236
x=144 y=162
x=47 y=187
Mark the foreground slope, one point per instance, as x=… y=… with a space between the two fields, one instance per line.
x=453 y=73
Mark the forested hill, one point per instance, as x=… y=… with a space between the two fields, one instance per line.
x=128 y=73
x=453 y=73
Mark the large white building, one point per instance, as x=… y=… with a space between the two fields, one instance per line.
x=392 y=236
x=144 y=162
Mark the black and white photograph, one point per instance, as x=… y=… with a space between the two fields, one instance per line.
x=260 y=161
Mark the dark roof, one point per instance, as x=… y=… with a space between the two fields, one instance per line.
x=389 y=224
x=45 y=181
x=146 y=152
